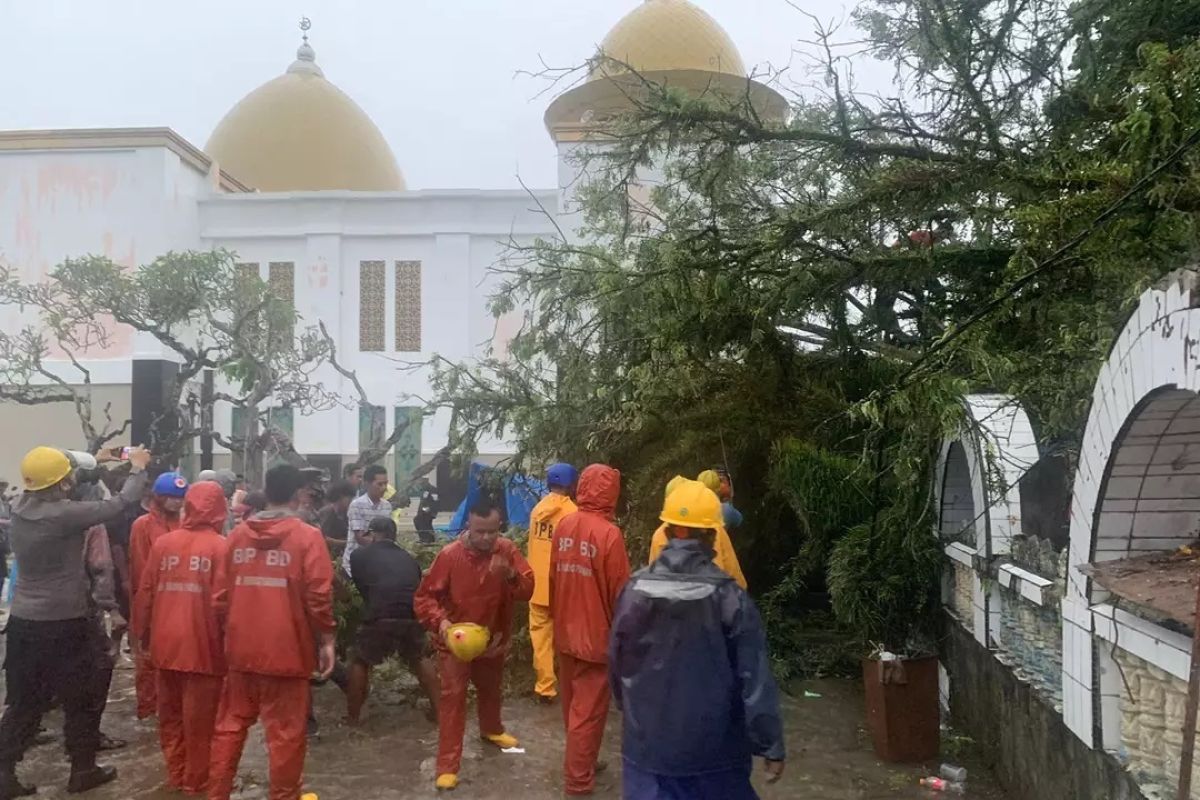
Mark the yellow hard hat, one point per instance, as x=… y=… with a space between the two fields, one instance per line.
x=467 y=641
x=711 y=479
x=42 y=467
x=692 y=505
x=673 y=484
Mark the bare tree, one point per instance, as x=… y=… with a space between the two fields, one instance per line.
x=203 y=308
x=27 y=374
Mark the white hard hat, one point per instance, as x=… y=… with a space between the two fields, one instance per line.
x=81 y=460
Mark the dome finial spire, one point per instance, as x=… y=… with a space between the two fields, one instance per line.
x=306 y=57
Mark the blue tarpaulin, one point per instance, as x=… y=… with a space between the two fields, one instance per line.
x=521 y=494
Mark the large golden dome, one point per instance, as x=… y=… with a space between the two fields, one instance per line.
x=670 y=35
x=300 y=133
x=669 y=43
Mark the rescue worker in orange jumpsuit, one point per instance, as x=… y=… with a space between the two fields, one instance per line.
x=277 y=601
x=550 y=509
x=589 y=567
x=725 y=556
x=178 y=625
x=163 y=516
x=476 y=578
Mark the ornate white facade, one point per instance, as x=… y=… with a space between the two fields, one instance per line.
x=299 y=182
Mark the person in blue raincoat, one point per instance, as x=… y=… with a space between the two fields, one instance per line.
x=689 y=669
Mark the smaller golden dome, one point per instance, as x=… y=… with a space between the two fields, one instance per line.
x=300 y=133
x=667 y=36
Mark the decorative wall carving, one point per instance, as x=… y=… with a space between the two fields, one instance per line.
x=372 y=306
x=408 y=306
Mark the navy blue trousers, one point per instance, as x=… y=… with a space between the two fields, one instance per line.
x=733 y=784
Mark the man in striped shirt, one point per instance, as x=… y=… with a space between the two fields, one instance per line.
x=365 y=508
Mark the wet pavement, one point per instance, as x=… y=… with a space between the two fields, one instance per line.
x=391 y=756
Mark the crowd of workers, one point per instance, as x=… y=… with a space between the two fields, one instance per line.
x=229 y=596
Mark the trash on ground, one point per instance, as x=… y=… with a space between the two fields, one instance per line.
x=811 y=695
x=520 y=750
x=942 y=785
x=953 y=773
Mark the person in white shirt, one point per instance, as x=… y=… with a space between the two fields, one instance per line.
x=365 y=508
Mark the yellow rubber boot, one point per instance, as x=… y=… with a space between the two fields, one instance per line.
x=446 y=781
x=502 y=740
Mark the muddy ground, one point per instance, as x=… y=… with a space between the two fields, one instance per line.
x=391 y=756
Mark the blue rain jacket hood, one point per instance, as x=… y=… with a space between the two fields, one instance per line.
x=688 y=666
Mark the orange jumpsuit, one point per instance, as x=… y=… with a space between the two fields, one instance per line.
x=178 y=623
x=144 y=532
x=589 y=567
x=460 y=587
x=277 y=598
x=545 y=515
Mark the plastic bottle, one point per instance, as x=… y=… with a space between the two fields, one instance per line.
x=953 y=773
x=942 y=785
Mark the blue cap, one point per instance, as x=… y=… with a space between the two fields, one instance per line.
x=170 y=484
x=563 y=475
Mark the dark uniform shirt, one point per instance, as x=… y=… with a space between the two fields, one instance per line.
x=386 y=576
x=334 y=525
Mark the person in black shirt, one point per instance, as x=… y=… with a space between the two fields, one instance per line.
x=335 y=525
x=387 y=576
x=426 y=511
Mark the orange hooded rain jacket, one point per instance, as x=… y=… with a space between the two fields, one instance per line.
x=277 y=594
x=145 y=531
x=588 y=568
x=174 y=602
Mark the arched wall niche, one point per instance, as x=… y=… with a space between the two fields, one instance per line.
x=976 y=483
x=1136 y=496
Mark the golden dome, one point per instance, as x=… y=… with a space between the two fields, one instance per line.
x=300 y=133
x=670 y=35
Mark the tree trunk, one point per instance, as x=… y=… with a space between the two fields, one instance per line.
x=252 y=449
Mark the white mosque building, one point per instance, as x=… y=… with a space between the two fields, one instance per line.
x=299 y=181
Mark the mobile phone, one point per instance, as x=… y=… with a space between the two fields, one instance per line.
x=125 y=451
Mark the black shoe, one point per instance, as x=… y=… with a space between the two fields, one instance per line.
x=314 y=730
x=109 y=743
x=85 y=780
x=10 y=787
x=546 y=699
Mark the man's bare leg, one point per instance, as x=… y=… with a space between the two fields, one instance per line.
x=357 y=688
x=425 y=669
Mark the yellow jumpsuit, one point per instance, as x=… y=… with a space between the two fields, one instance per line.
x=542 y=521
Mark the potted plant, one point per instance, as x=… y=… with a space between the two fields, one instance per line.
x=882 y=578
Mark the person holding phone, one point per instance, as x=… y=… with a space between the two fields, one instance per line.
x=49 y=632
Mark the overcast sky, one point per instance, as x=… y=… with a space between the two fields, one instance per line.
x=437 y=76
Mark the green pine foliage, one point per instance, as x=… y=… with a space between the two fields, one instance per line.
x=806 y=302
